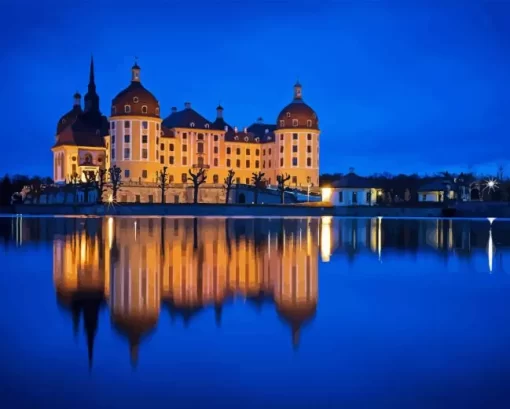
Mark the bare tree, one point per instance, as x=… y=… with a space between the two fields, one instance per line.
x=282 y=180
x=115 y=179
x=197 y=179
x=100 y=184
x=257 y=180
x=36 y=189
x=88 y=184
x=229 y=181
x=163 y=179
x=72 y=185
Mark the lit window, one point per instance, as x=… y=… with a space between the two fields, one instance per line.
x=282 y=123
x=127 y=124
x=127 y=109
x=127 y=138
x=144 y=174
x=294 y=162
x=145 y=124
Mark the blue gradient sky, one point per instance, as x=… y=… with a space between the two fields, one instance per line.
x=397 y=87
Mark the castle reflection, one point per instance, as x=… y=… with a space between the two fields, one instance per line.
x=184 y=265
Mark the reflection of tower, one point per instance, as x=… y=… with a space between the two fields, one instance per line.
x=296 y=289
x=79 y=278
x=135 y=293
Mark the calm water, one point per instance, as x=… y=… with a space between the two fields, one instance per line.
x=211 y=312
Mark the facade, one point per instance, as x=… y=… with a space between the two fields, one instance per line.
x=351 y=190
x=138 y=140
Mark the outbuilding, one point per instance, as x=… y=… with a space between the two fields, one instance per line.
x=352 y=190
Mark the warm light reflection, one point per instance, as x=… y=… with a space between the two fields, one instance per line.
x=110 y=232
x=379 y=237
x=491 y=249
x=326 y=194
x=326 y=238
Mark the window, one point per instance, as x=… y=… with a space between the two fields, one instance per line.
x=215 y=149
x=176 y=198
x=238 y=163
x=288 y=114
x=263 y=151
x=294 y=162
x=215 y=179
x=257 y=163
x=171 y=160
x=281 y=137
x=238 y=151
x=200 y=148
x=157 y=110
x=113 y=139
x=238 y=180
x=171 y=147
x=295 y=136
x=74 y=168
x=200 y=161
x=144 y=109
x=144 y=138
x=127 y=124
x=184 y=177
x=127 y=109
x=281 y=162
x=257 y=152
x=206 y=126
x=309 y=123
x=341 y=197
x=270 y=151
x=162 y=146
x=135 y=100
x=270 y=163
x=185 y=148
x=113 y=154
x=247 y=151
x=157 y=140
x=184 y=135
x=248 y=164
x=184 y=160
x=216 y=138
x=354 y=197
x=192 y=124
x=294 y=180
x=170 y=178
x=144 y=174
x=309 y=149
x=151 y=199
x=228 y=150
x=215 y=161
x=369 y=197
x=281 y=149
x=112 y=125
x=309 y=136
x=228 y=163
x=127 y=138
x=126 y=173
x=137 y=198
x=247 y=180
x=127 y=153
x=294 y=148
x=200 y=137
x=294 y=122
x=162 y=159
x=308 y=162
x=157 y=127
x=145 y=125
x=145 y=153
x=282 y=123
x=157 y=154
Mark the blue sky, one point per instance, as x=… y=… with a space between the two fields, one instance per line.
x=398 y=86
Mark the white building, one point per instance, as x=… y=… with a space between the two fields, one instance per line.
x=437 y=191
x=352 y=190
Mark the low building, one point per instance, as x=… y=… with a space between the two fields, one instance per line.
x=352 y=190
x=437 y=191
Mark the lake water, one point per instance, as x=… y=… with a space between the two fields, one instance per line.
x=251 y=312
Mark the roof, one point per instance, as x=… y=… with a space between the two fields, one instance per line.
x=187 y=118
x=88 y=129
x=298 y=111
x=436 y=186
x=261 y=130
x=247 y=137
x=137 y=97
x=68 y=118
x=219 y=124
x=351 y=180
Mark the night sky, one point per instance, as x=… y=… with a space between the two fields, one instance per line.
x=397 y=87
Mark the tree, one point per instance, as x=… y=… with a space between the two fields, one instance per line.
x=6 y=190
x=282 y=179
x=100 y=184
x=36 y=188
x=197 y=179
x=162 y=178
x=229 y=181
x=407 y=195
x=116 y=180
x=88 y=183
x=257 y=180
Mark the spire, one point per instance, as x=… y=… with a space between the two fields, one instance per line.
x=298 y=91
x=91 y=73
x=135 y=71
x=91 y=97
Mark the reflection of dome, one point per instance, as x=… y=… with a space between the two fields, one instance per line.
x=297 y=315
x=135 y=99
x=297 y=114
x=134 y=328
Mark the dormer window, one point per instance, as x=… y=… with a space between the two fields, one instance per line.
x=127 y=109
x=309 y=123
x=63 y=120
x=192 y=124
x=246 y=139
x=144 y=109
x=236 y=138
x=294 y=122
x=282 y=123
x=206 y=126
x=257 y=139
x=288 y=114
x=135 y=100
x=157 y=110
x=113 y=109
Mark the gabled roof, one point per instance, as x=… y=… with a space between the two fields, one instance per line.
x=351 y=180
x=187 y=118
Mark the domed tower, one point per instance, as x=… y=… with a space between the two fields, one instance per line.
x=297 y=141
x=135 y=128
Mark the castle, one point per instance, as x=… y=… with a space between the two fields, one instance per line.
x=140 y=142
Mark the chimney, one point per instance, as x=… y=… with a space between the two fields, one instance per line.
x=174 y=109
x=187 y=105
x=235 y=129
x=260 y=120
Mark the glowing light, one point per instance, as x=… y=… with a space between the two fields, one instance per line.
x=379 y=193
x=491 y=185
x=327 y=192
x=326 y=238
x=491 y=220
x=379 y=237
x=110 y=232
x=110 y=199
x=491 y=249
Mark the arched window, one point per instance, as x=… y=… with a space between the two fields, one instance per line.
x=127 y=109
x=288 y=114
x=206 y=126
x=144 y=109
x=294 y=122
x=282 y=123
x=200 y=161
x=309 y=123
x=215 y=179
x=192 y=125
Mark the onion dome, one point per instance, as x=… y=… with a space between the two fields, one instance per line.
x=297 y=114
x=135 y=100
x=69 y=117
